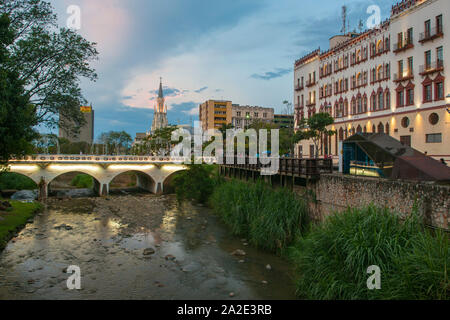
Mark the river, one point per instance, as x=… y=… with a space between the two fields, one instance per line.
x=107 y=239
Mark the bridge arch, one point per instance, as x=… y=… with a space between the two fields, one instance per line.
x=97 y=185
x=144 y=179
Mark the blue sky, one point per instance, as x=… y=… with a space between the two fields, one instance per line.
x=239 y=50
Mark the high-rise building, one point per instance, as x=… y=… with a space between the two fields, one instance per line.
x=86 y=132
x=160 y=115
x=215 y=113
x=390 y=79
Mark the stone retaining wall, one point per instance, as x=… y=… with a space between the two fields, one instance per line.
x=337 y=192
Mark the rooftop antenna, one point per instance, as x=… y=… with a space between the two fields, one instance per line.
x=344 y=20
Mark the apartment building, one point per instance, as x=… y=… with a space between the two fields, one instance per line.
x=389 y=79
x=244 y=116
x=215 y=113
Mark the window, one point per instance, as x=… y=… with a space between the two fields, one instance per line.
x=380 y=101
x=439 y=91
x=433 y=119
x=427 y=28
x=264 y=115
x=410 y=65
x=400 y=99
x=428 y=93
x=239 y=113
x=400 y=40
x=405 y=122
x=439 y=24
x=400 y=69
x=427 y=59
x=434 y=138
x=440 y=54
x=410 y=97
x=409 y=36
x=256 y=115
x=388 y=100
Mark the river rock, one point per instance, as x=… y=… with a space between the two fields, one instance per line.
x=239 y=253
x=64 y=226
x=25 y=195
x=170 y=257
x=149 y=251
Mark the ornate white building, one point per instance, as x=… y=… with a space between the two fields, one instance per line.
x=160 y=115
x=389 y=79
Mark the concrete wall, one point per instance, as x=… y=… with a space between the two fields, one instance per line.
x=337 y=192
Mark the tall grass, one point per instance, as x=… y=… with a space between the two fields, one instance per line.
x=270 y=219
x=332 y=260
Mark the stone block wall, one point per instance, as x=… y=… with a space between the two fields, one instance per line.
x=336 y=192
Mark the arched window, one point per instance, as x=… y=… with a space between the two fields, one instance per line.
x=380 y=100
x=359 y=129
x=380 y=128
x=388 y=132
x=341 y=134
x=360 y=106
x=373 y=129
x=365 y=103
x=388 y=99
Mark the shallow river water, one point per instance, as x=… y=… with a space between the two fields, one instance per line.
x=107 y=239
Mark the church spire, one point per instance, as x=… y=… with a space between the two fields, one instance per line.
x=160 y=94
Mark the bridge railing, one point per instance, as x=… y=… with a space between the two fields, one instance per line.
x=107 y=159
x=287 y=166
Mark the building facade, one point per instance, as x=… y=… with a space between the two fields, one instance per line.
x=390 y=79
x=215 y=113
x=244 y=116
x=86 y=132
x=284 y=120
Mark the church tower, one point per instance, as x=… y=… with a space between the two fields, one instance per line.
x=160 y=117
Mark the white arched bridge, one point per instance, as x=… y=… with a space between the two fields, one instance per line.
x=151 y=172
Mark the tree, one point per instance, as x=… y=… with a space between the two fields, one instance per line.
x=49 y=62
x=315 y=128
x=115 y=142
x=17 y=116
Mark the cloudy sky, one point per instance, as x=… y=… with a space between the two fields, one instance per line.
x=238 y=50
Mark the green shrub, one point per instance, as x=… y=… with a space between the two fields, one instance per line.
x=197 y=183
x=270 y=219
x=82 y=181
x=332 y=260
x=14 y=181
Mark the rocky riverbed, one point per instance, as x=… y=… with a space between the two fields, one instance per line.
x=137 y=246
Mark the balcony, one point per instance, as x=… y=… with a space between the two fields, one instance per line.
x=434 y=33
x=298 y=106
x=299 y=87
x=310 y=83
x=432 y=68
x=401 y=47
x=310 y=103
x=404 y=76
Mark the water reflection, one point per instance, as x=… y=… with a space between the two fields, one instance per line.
x=191 y=258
